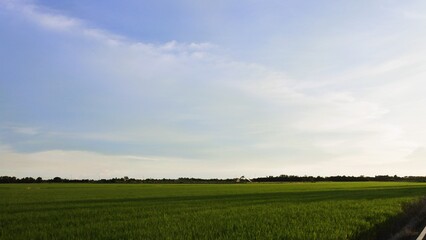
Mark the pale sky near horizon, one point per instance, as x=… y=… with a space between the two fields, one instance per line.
x=212 y=89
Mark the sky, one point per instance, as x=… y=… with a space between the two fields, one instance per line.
x=212 y=89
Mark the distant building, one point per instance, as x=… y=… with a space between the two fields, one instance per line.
x=242 y=178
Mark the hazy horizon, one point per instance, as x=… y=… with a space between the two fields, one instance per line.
x=211 y=89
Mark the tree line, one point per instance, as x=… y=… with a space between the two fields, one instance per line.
x=9 y=179
x=343 y=178
x=276 y=179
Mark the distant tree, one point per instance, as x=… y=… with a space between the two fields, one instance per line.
x=39 y=179
x=57 y=179
x=28 y=180
x=7 y=179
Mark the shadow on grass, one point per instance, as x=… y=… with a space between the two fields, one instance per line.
x=405 y=226
x=238 y=199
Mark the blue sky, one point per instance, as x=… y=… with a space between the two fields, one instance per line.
x=211 y=88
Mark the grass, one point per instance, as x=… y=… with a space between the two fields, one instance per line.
x=202 y=211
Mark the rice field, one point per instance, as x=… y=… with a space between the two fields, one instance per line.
x=202 y=211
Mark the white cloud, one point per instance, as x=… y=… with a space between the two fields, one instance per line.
x=48 y=20
x=82 y=164
x=23 y=130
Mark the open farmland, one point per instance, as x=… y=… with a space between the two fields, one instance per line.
x=202 y=211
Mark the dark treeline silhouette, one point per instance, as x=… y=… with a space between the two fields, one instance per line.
x=277 y=179
x=381 y=178
x=8 y=179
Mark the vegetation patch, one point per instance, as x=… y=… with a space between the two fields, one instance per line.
x=358 y=210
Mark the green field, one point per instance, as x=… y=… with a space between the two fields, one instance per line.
x=201 y=211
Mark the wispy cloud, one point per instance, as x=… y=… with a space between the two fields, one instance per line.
x=52 y=20
x=82 y=164
x=40 y=17
x=23 y=130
